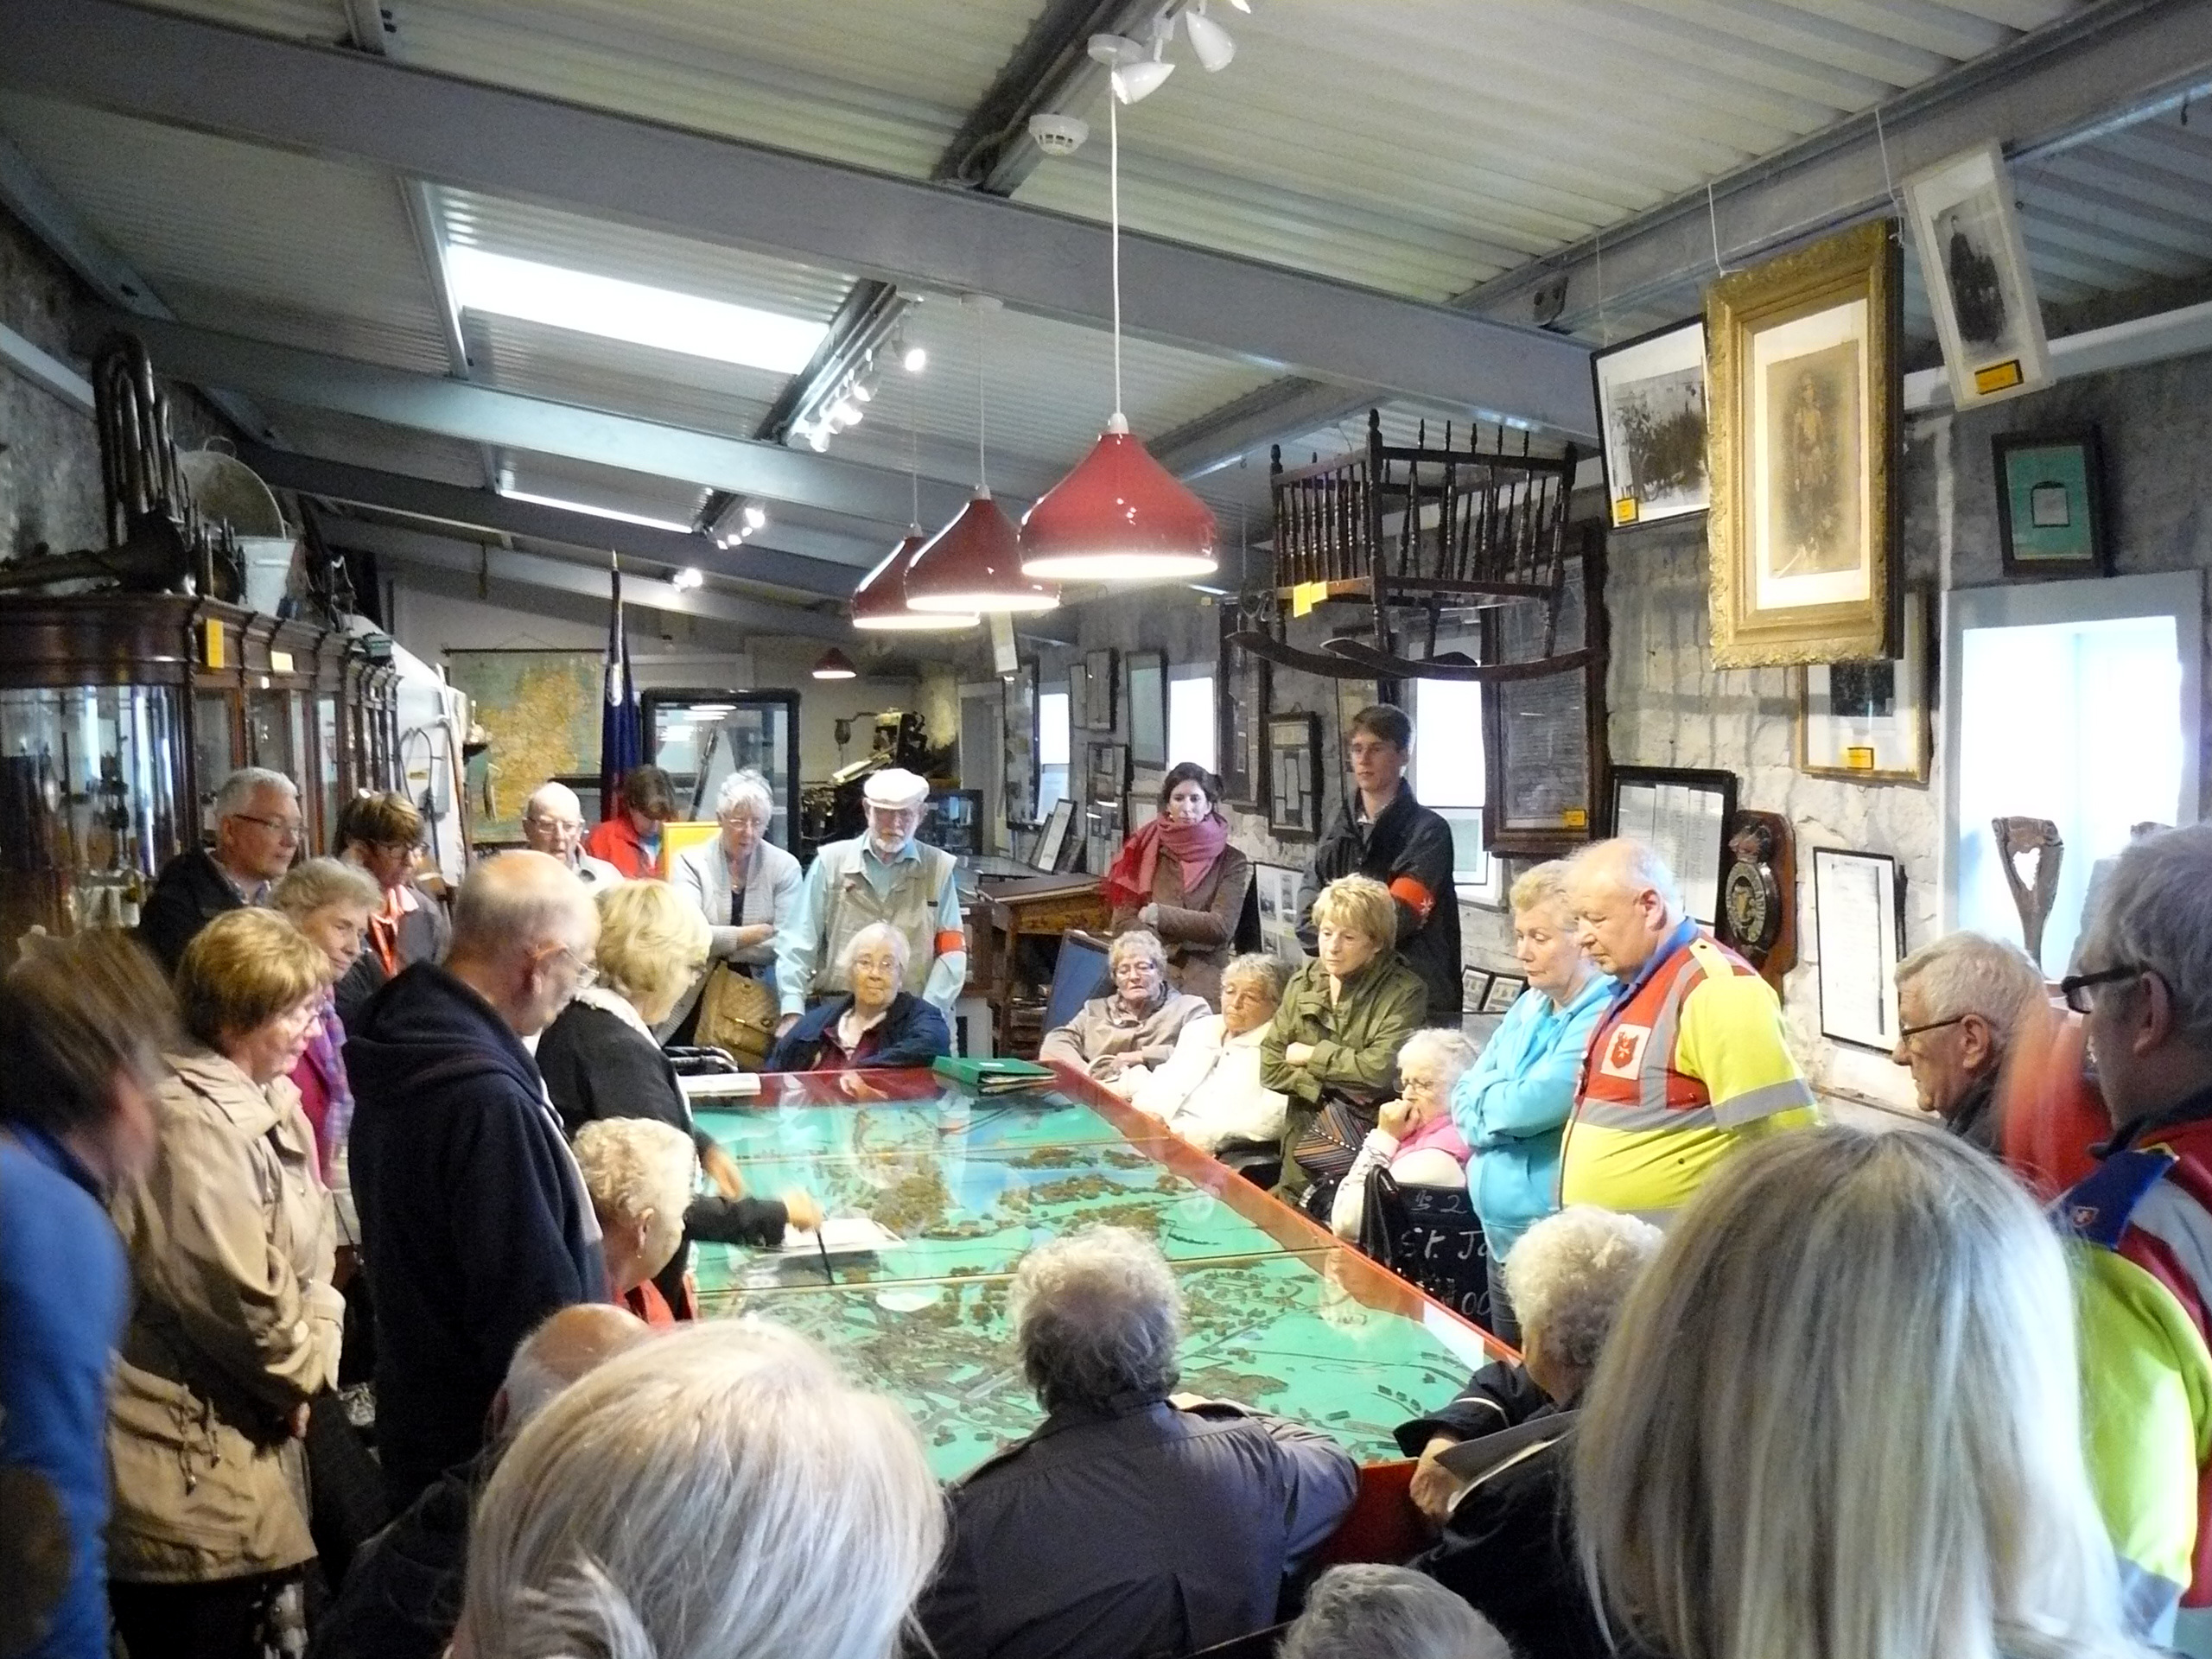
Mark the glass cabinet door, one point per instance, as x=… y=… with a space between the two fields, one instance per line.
x=699 y=738
x=217 y=747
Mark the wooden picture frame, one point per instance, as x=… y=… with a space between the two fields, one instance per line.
x=1805 y=401
x=1022 y=782
x=1100 y=668
x=1294 y=777
x=1652 y=420
x=1052 y=842
x=1683 y=813
x=1241 y=690
x=1544 y=746
x=1146 y=706
x=1078 y=696
x=1859 y=926
x=1869 y=722
x=2050 y=503
x=1973 y=264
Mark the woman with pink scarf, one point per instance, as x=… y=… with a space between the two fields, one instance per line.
x=1413 y=1136
x=1179 y=877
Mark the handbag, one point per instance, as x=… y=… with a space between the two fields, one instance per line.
x=737 y=1013
x=1331 y=1142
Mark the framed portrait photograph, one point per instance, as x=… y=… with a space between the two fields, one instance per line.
x=1294 y=788
x=1975 y=268
x=1147 y=707
x=1100 y=665
x=1805 y=393
x=2050 y=505
x=1868 y=721
x=1651 y=415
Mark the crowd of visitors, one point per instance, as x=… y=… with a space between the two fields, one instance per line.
x=1782 y=1387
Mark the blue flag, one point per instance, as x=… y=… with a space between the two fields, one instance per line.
x=618 y=746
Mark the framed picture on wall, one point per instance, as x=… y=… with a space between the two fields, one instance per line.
x=1240 y=714
x=1148 y=708
x=1805 y=395
x=1109 y=773
x=1294 y=788
x=1100 y=665
x=1544 y=739
x=1651 y=413
x=1858 y=918
x=1683 y=814
x=2049 y=507
x=1103 y=835
x=1078 y=696
x=1020 y=802
x=1974 y=266
x=1868 y=721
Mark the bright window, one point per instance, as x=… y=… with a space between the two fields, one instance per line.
x=1192 y=732
x=1447 y=774
x=1051 y=750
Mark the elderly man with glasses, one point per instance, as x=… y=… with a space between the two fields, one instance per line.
x=553 y=824
x=1961 y=1002
x=2144 y=1221
x=258 y=830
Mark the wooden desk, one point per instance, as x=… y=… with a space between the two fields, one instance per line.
x=1014 y=933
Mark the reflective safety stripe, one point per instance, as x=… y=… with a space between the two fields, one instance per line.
x=1410 y=892
x=1646 y=1119
x=1661 y=1049
x=1787 y=1095
x=2147 y=1602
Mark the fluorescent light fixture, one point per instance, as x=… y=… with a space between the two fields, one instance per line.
x=635 y=312
x=647 y=519
x=916 y=359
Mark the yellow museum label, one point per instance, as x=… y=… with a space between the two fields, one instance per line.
x=1574 y=818
x=280 y=661
x=1999 y=376
x=1306 y=595
x=1859 y=757
x=211 y=648
x=1626 y=510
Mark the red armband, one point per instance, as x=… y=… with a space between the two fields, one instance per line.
x=1416 y=898
x=949 y=940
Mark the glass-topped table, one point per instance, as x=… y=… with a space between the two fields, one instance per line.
x=1278 y=1314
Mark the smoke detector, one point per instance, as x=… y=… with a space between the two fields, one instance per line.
x=1059 y=135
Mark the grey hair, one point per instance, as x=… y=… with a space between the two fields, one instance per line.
x=1270 y=972
x=744 y=784
x=1364 y=1610
x=567 y=1346
x=2156 y=915
x=1968 y=973
x=631 y=1165
x=1569 y=1275
x=1097 y=1314
x=237 y=790
x=720 y=1492
x=902 y=950
x=1836 y=1416
x=1633 y=863
x=513 y=903
x=1137 y=938
x=1447 y=1050
x=552 y=792
x=313 y=883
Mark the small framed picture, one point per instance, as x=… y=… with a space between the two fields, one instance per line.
x=1101 y=665
x=1868 y=721
x=1078 y=696
x=1109 y=773
x=2050 y=502
x=1651 y=413
x=1502 y=993
x=1974 y=267
x=1054 y=841
x=1294 y=787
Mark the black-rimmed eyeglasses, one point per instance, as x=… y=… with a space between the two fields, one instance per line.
x=1933 y=1025
x=285 y=829
x=2076 y=988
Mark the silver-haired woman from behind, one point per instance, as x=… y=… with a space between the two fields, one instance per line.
x=1841 y=1415
x=722 y=1492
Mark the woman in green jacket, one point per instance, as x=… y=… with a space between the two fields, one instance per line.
x=1336 y=1036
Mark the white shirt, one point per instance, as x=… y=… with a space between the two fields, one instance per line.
x=1208 y=1089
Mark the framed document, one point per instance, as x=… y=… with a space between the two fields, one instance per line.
x=1544 y=739
x=1078 y=696
x=1867 y=723
x=1859 y=922
x=1101 y=665
x=1053 y=842
x=1148 y=703
x=2049 y=517
x=1682 y=813
x=1294 y=788
x=1240 y=714
x=1805 y=417
x=1651 y=414
x=1021 y=781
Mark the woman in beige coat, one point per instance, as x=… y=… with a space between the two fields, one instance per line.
x=236 y=1326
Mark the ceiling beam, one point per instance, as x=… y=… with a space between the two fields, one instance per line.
x=480 y=509
x=477 y=414
x=393 y=545
x=1050 y=70
x=326 y=101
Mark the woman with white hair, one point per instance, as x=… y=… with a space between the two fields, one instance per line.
x=1116 y=1039
x=874 y=1023
x=1364 y=1610
x=1839 y=1417
x=639 y=1173
x=1210 y=1091
x=1506 y=1546
x=1413 y=1136
x=1513 y=1103
x=742 y=883
x=722 y=1492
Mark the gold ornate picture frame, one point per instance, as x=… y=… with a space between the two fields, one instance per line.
x=1801 y=454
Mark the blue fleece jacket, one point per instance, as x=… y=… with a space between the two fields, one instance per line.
x=913 y=1032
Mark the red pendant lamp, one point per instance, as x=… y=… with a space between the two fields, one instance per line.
x=880 y=602
x=1120 y=516
x=974 y=564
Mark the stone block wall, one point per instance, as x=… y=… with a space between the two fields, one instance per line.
x=50 y=449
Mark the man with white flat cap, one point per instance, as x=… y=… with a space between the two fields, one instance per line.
x=885 y=875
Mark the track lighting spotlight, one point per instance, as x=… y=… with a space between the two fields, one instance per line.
x=756 y=516
x=916 y=359
x=1209 y=39
x=688 y=577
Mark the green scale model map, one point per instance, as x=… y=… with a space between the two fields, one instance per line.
x=967 y=1185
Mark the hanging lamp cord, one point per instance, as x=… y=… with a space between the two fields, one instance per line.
x=1114 y=220
x=982 y=406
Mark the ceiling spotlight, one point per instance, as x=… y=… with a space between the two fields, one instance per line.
x=1209 y=39
x=845 y=412
x=688 y=577
x=1244 y=6
x=835 y=665
x=916 y=359
x=1133 y=75
x=817 y=439
x=756 y=516
x=863 y=393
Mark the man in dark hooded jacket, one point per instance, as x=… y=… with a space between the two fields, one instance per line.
x=475 y=1225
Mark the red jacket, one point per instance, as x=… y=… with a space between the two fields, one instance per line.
x=616 y=841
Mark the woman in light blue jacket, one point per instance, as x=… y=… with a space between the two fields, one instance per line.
x=1511 y=1106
